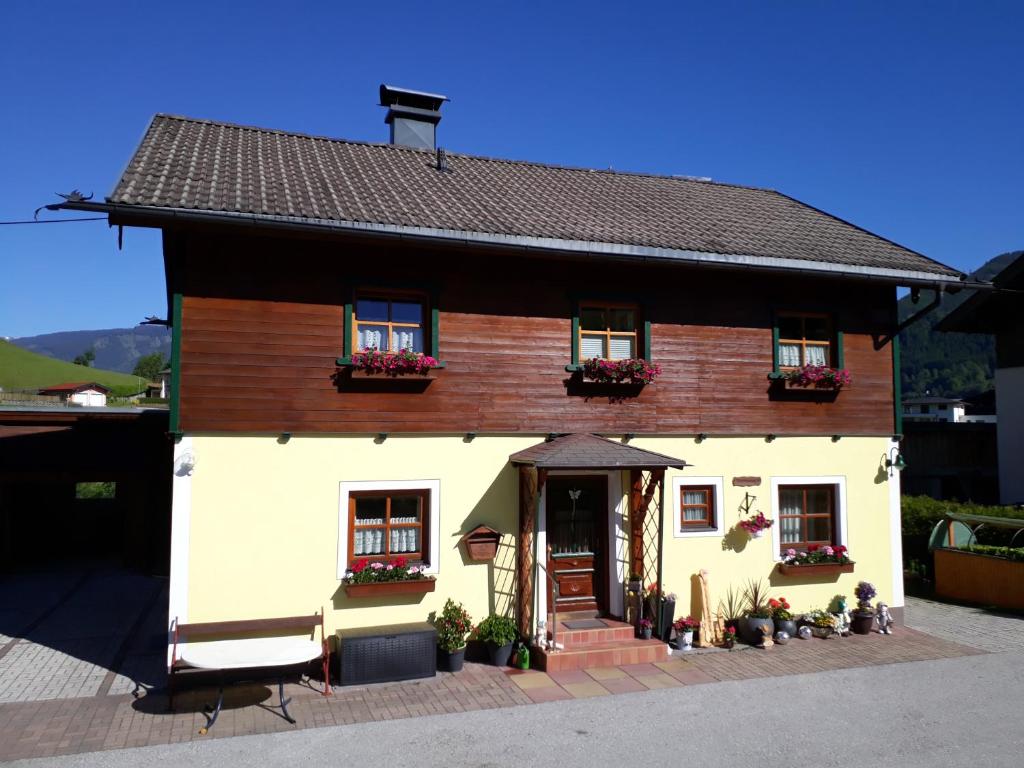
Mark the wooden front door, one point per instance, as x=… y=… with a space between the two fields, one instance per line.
x=577 y=533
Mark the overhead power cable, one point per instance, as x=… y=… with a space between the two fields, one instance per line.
x=56 y=221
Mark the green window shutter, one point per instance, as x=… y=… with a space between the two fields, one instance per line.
x=775 y=345
x=175 y=404
x=346 y=345
x=646 y=354
x=575 y=344
x=897 y=387
x=840 y=357
x=435 y=325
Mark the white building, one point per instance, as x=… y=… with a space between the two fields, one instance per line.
x=87 y=393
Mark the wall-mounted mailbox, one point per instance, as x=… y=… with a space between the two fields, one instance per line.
x=482 y=543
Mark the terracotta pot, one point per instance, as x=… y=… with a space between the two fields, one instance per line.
x=384 y=588
x=861 y=623
x=451 y=661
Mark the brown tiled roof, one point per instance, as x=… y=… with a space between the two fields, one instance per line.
x=74 y=386
x=583 y=451
x=205 y=166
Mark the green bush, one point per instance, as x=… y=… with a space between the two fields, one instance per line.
x=499 y=630
x=921 y=513
x=1016 y=554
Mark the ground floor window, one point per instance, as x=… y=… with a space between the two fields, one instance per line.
x=697 y=505
x=384 y=525
x=807 y=515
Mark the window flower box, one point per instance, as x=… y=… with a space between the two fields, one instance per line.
x=379 y=579
x=633 y=370
x=387 y=588
x=373 y=362
x=818 y=569
x=816 y=377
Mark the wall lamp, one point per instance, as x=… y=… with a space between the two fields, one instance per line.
x=702 y=436
x=836 y=438
x=380 y=438
x=769 y=438
x=628 y=436
x=894 y=461
x=284 y=437
x=469 y=438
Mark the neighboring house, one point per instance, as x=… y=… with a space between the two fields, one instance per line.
x=79 y=393
x=933 y=409
x=999 y=313
x=165 y=384
x=287 y=254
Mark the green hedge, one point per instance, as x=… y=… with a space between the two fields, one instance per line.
x=921 y=513
x=1016 y=554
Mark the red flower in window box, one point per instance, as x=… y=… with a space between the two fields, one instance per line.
x=819 y=377
x=401 y=363
x=632 y=370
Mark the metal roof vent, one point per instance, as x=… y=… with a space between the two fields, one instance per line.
x=412 y=115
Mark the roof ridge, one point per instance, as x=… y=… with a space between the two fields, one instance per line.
x=455 y=155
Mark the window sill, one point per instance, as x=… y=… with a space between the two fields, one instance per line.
x=816 y=570
x=387 y=588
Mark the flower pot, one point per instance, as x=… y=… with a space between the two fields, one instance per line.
x=747 y=629
x=757 y=534
x=499 y=654
x=383 y=588
x=815 y=569
x=668 y=615
x=645 y=633
x=686 y=641
x=861 y=623
x=821 y=631
x=451 y=661
x=728 y=643
x=786 y=625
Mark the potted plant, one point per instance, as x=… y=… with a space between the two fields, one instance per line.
x=782 y=616
x=663 y=609
x=646 y=628
x=628 y=371
x=818 y=377
x=453 y=625
x=372 y=361
x=684 y=628
x=499 y=633
x=822 y=623
x=864 y=614
x=729 y=636
x=758 y=613
x=756 y=525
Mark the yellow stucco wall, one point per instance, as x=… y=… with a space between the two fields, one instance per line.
x=264 y=517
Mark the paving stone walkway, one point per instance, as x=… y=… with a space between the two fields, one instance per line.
x=977 y=627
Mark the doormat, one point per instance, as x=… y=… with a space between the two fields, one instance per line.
x=585 y=624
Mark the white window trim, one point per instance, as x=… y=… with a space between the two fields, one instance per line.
x=839 y=481
x=678 y=483
x=433 y=516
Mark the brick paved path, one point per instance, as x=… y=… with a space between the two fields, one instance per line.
x=977 y=627
x=63 y=726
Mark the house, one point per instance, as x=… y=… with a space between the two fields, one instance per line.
x=999 y=312
x=288 y=255
x=942 y=409
x=79 y=393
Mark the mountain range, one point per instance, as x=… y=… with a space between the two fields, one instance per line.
x=117 y=349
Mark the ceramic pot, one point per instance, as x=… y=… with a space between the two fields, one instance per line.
x=861 y=623
x=500 y=654
x=686 y=641
x=645 y=633
x=451 y=661
x=747 y=629
x=757 y=534
x=786 y=625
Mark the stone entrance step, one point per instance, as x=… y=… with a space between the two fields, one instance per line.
x=601 y=654
x=612 y=631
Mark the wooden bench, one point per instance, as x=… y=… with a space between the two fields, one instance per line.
x=247 y=653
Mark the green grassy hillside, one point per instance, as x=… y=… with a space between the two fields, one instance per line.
x=24 y=370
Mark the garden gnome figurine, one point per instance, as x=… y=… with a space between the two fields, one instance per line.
x=540 y=640
x=884 y=619
x=842 y=618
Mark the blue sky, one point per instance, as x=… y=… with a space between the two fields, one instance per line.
x=905 y=118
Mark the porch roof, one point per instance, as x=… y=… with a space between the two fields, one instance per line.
x=586 y=451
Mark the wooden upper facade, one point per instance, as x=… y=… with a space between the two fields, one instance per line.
x=263 y=322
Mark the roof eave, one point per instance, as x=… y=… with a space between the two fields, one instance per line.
x=156 y=216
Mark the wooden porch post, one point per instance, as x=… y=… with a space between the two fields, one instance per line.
x=528 y=496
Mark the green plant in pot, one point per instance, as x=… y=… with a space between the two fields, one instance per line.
x=498 y=633
x=782 y=616
x=453 y=625
x=864 y=614
x=758 y=613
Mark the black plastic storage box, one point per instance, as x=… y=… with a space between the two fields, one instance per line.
x=385 y=654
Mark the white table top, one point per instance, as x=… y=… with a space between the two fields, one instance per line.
x=250 y=652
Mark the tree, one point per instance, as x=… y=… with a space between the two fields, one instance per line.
x=86 y=358
x=149 y=366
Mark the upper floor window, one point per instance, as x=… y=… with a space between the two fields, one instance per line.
x=389 y=324
x=607 y=331
x=804 y=339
